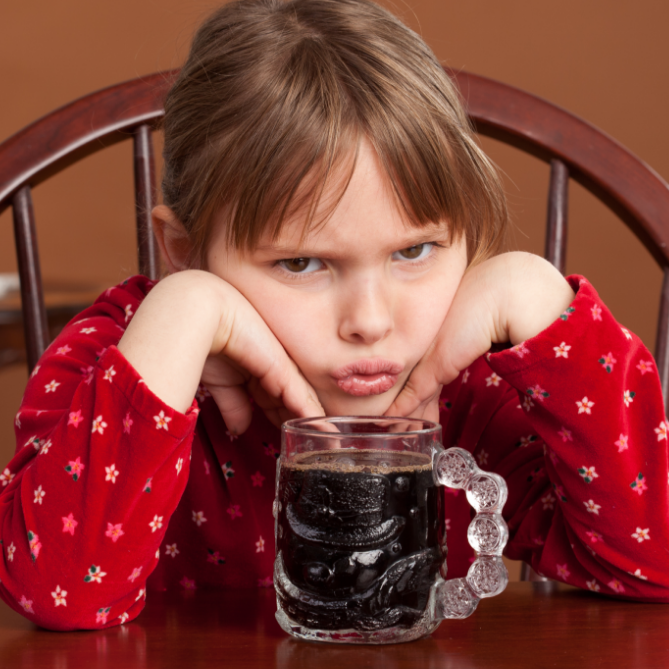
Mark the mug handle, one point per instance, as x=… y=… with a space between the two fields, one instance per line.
x=487 y=533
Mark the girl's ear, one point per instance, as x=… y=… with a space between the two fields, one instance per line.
x=175 y=247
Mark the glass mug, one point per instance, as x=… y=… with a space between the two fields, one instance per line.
x=360 y=530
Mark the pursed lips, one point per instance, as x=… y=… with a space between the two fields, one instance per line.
x=368 y=377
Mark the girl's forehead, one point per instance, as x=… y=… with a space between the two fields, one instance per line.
x=357 y=205
x=345 y=235
x=356 y=214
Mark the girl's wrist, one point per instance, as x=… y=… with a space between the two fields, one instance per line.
x=173 y=332
x=536 y=297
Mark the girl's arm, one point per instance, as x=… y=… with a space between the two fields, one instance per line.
x=102 y=460
x=194 y=326
x=508 y=298
x=589 y=474
x=581 y=439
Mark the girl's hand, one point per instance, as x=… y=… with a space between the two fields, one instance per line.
x=508 y=298
x=194 y=326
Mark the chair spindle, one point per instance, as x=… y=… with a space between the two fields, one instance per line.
x=662 y=341
x=556 y=229
x=145 y=199
x=555 y=253
x=35 y=325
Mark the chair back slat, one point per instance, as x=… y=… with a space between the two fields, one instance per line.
x=79 y=129
x=662 y=341
x=624 y=183
x=35 y=325
x=145 y=200
x=556 y=223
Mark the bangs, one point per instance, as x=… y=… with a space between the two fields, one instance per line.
x=281 y=106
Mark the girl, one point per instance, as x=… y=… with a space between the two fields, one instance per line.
x=330 y=229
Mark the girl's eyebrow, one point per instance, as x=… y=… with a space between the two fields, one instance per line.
x=435 y=234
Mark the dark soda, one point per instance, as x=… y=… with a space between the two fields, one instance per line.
x=358 y=538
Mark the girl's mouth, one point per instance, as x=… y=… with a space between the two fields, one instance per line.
x=368 y=377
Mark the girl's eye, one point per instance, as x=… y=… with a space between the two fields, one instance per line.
x=301 y=265
x=417 y=252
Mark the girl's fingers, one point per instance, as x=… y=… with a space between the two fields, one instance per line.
x=274 y=408
x=233 y=403
x=254 y=347
x=419 y=392
x=285 y=383
x=465 y=335
x=254 y=362
x=271 y=406
x=301 y=400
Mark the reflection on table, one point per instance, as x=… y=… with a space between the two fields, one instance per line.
x=523 y=627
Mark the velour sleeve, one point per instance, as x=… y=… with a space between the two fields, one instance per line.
x=582 y=442
x=100 y=466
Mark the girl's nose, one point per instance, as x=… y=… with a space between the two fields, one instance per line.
x=366 y=315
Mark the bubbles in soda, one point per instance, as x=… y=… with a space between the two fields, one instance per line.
x=358 y=539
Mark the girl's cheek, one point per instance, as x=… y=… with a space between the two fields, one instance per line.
x=302 y=338
x=421 y=323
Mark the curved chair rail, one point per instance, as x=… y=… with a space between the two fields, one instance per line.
x=78 y=129
x=632 y=189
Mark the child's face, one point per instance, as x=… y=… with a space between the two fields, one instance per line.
x=356 y=303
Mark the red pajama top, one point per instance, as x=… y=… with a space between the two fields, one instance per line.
x=112 y=492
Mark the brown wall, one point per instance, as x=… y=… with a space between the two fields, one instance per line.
x=606 y=60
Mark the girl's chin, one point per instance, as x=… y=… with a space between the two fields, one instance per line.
x=375 y=405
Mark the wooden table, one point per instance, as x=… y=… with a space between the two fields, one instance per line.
x=521 y=628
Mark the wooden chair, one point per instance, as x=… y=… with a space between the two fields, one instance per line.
x=573 y=148
x=44 y=148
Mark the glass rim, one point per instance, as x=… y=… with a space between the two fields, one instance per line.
x=294 y=426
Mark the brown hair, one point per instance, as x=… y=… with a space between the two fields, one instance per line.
x=275 y=91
